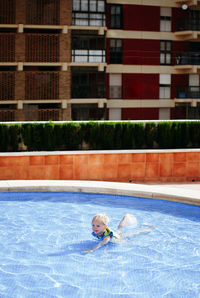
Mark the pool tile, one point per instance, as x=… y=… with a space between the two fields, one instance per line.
x=52 y=172
x=66 y=159
x=21 y=172
x=95 y=172
x=152 y=157
x=192 y=169
x=95 y=159
x=110 y=172
x=179 y=156
x=138 y=157
x=193 y=156
x=166 y=164
x=12 y=161
x=81 y=167
x=66 y=172
x=36 y=172
x=124 y=158
x=7 y=173
x=36 y=160
x=138 y=170
x=110 y=159
x=152 y=169
x=51 y=160
x=179 y=169
x=124 y=172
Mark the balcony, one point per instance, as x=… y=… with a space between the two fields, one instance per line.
x=188 y=95
x=42 y=48
x=30 y=115
x=187 y=58
x=88 y=48
x=89 y=56
x=88 y=91
x=7 y=86
x=89 y=13
x=189 y=24
x=188 y=92
x=41 y=85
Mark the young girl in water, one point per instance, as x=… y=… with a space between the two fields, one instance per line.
x=103 y=233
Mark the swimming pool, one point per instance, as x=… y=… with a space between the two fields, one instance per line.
x=43 y=235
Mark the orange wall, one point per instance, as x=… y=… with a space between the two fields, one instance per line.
x=143 y=166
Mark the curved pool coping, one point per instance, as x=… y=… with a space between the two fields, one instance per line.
x=184 y=193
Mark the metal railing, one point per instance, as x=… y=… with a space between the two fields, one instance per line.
x=192 y=24
x=42 y=85
x=30 y=115
x=42 y=48
x=188 y=92
x=42 y=12
x=187 y=58
x=7 y=47
x=88 y=91
x=7 y=85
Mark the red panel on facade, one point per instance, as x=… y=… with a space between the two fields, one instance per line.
x=140 y=114
x=178 y=81
x=178 y=14
x=140 y=86
x=141 y=51
x=141 y=17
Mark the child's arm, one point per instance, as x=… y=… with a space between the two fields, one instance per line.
x=100 y=244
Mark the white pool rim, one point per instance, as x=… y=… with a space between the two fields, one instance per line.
x=184 y=193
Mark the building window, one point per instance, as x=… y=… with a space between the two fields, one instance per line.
x=116 y=53
x=165 y=19
x=115 y=16
x=165 y=52
x=88 y=13
x=115 y=90
x=165 y=86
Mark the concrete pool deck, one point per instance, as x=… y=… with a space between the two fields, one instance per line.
x=179 y=192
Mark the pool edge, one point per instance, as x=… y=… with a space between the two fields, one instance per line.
x=162 y=192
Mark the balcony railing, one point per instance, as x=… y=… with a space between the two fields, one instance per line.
x=42 y=85
x=88 y=91
x=188 y=58
x=188 y=24
x=7 y=115
x=88 y=19
x=42 y=48
x=31 y=115
x=7 y=47
x=42 y=12
x=97 y=56
x=7 y=11
x=188 y=92
x=7 y=85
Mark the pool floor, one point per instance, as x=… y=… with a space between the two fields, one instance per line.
x=43 y=236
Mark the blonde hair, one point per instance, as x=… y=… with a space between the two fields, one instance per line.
x=101 y=217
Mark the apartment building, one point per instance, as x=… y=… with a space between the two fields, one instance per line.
x=97 y=59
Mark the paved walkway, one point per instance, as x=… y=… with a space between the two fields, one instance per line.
x=179 y=192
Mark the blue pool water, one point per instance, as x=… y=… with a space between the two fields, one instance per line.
x=43 y=235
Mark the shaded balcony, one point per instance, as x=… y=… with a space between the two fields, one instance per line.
x=88 y=48
x=89 y=13
x=187 y=58
x=88 y=85
x=185 y=24
x=188 y=92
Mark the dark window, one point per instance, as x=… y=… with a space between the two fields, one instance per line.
x=116 y=52
x=165 y=52
x=116 y=16
x=88 y=13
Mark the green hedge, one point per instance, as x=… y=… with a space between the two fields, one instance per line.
x=51 y=136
